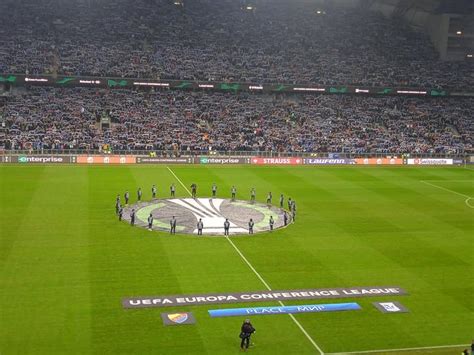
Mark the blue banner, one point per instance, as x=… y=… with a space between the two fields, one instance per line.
x=256 y=311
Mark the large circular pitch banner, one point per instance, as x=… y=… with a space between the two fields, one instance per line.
x=213 y=213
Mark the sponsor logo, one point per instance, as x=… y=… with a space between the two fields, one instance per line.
x=379 y=161
x=276 y=161
x=157 y=160
x=429 y=161
x=390 y=307
x=40 y=159
x=210 y=160
x=261 y=311
x=178 y=318
x=260 y=296
x=106 y=159
x=327 y=161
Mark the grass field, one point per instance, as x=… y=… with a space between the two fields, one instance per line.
x=67 y=262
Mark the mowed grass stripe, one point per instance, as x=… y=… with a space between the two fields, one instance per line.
x=45 y=282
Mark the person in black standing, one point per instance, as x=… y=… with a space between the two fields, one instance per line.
x=132 y=217
x=120 y=213
x=139 y=194
x=271 y=223
x=150 y=222
x=290 y=203
x=214 y=190
x=251 y=224
x=285 y=219
x=200 y=226
x=172 y=190
x=193 y=190
x=245 y=332
x=173 y=225
x=117 y=204
x=282 y=200
x=226 y=226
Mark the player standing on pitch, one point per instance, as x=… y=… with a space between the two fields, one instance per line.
x=120 y=213
x=139 y=194
x=271 y=223
x=193 y=190
x=226 y=227
x=172 y=190
x=153 y=191
x=251 y=224
x=252 y=195
x=126 y=197
x=282 y=200
x=269 y=198
x=117 y=204
x=200 y=226
x=132 y=217
x=214 y=190
x=233 y=191
x=173 y=225
x=150 y=222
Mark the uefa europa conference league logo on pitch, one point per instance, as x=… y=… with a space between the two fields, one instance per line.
x=213 y=212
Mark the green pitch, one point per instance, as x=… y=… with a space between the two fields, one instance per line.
x=67 y=262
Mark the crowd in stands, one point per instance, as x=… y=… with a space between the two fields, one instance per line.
x=53 y=118
x=282 y=41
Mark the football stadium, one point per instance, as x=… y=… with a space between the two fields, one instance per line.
x=227 y=176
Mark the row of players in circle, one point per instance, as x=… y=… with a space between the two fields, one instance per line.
x=200 y=224
x=233 y=191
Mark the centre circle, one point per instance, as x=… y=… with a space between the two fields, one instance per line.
x=212 y=212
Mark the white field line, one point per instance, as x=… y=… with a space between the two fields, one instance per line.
x=402 y=349
x=468 y=198
x=259 y=277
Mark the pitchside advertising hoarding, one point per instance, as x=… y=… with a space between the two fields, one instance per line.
x=221 y=160
x=163 y=160
x=40 y=159
x=276 y=161
x=106 y=159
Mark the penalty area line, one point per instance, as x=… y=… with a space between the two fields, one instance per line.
x=468 y=198
x=400 y=350
x=258 y=275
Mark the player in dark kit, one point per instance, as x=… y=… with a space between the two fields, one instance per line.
x=150 y=222
x=153 y=191
x=271 y=222
x=226 y=227
x=290 y=203
x=285 y=218
x=126 y=196
x=173 y=225
x=172 y=190
x=132 y=217
x=251 y=224
x=245 y=332
x=282 y=200
x=193 y=190
x=214 y=190
x=139 y=194
x=120 y=213
x=200 y=226
x=117 y=204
